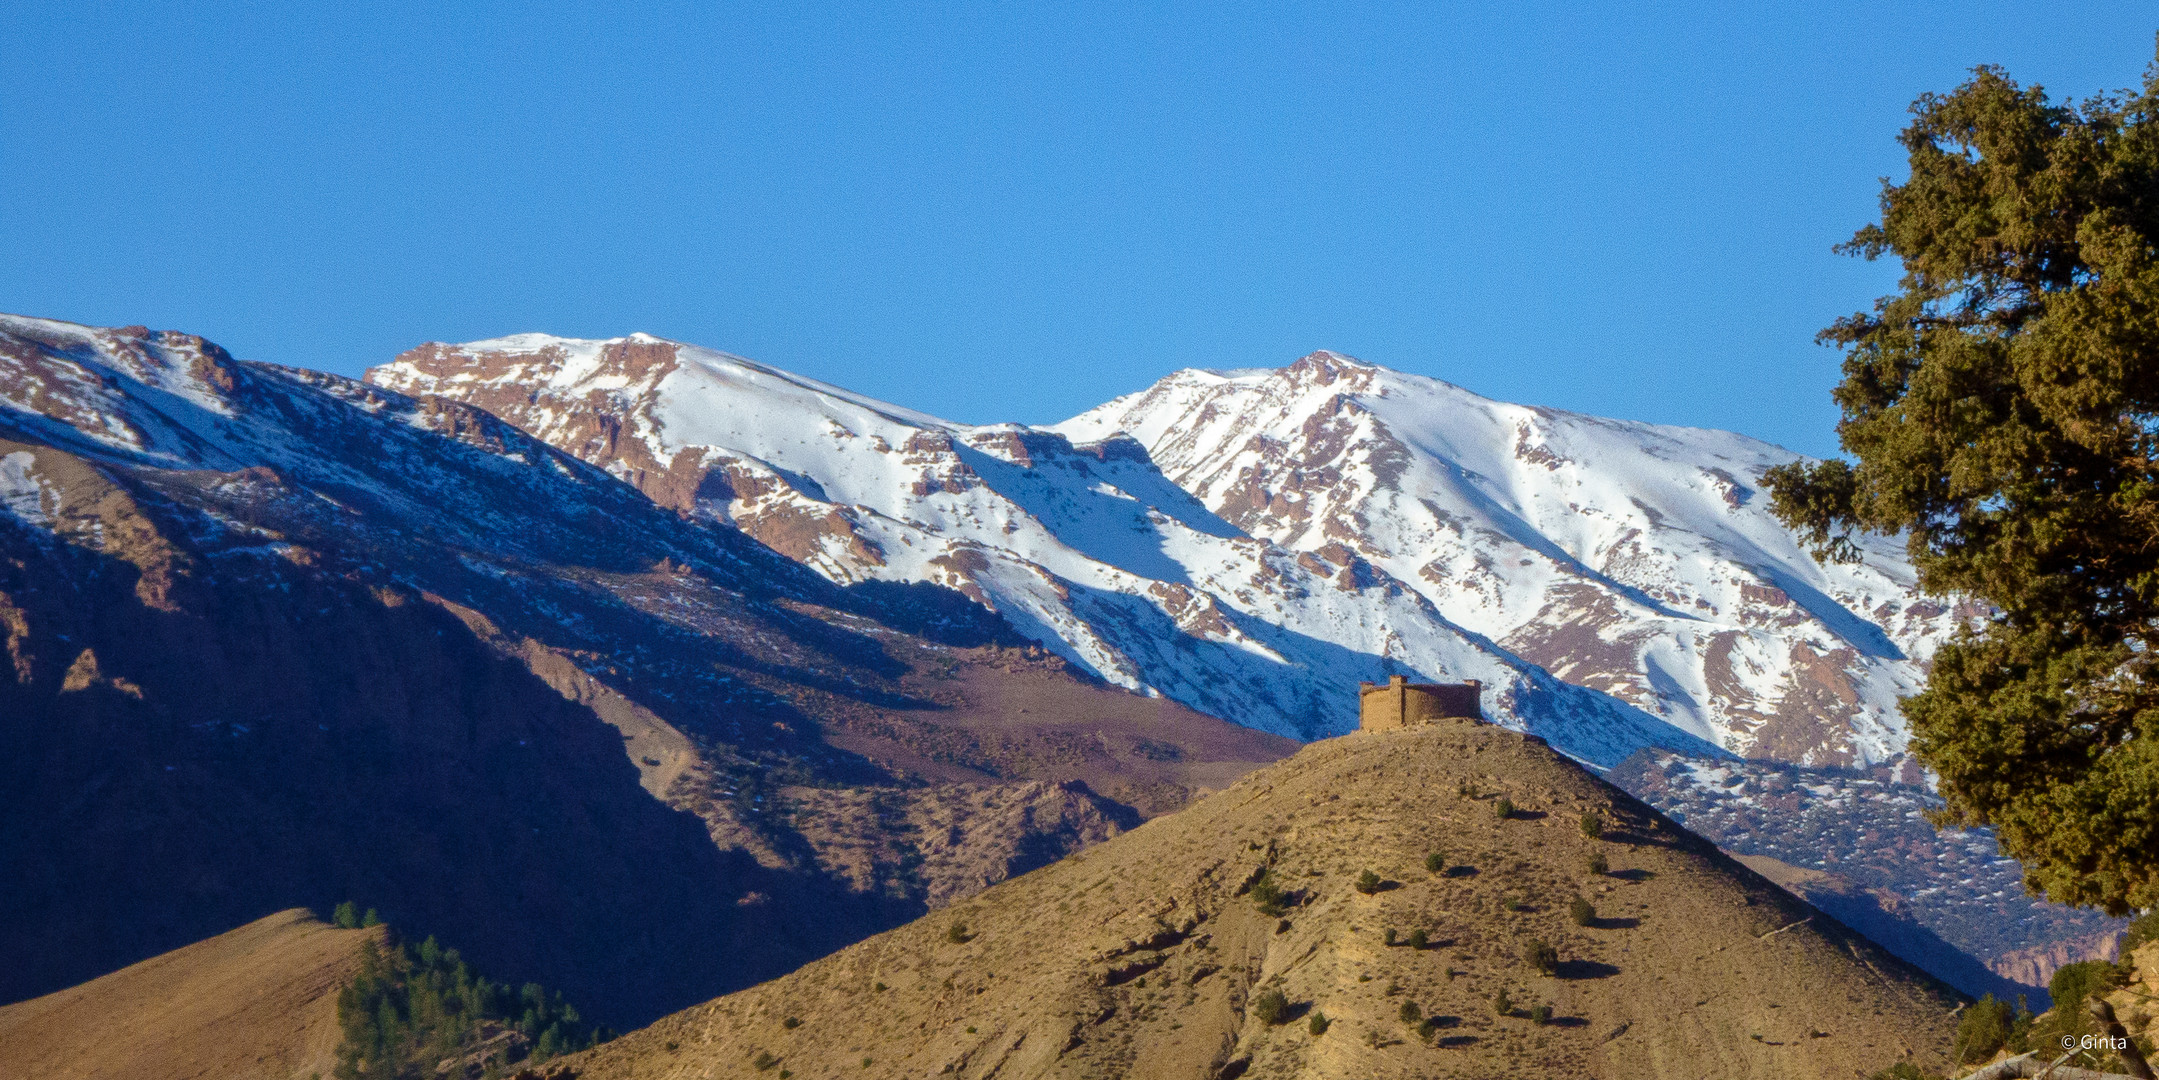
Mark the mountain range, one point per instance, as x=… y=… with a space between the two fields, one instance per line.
x=1249 y=542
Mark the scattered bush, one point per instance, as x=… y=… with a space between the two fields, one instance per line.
x=1592 y=824
x=791 y=1023
x=1388 y=938
x=1410 y=1013
x=1510 y=902
x=1418 y=939
x=1983 y=1029
x=1581 y=911
x=957 y=934
x=1540 y=956
x=1598 y=865
x=1435 y=863
x=2141 y=932
x=1503 y=808
x=764 y=1061
x=1270 y=897
x=1270 y=1008
x=1540 y=1014
x=1368 y=883
x=1318 y=1024
x=346 y=917
x=1502 y=1004
x=2073 y=983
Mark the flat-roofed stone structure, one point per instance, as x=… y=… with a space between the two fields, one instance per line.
x=1399 y=703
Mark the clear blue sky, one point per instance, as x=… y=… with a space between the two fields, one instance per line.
x=1007 y=211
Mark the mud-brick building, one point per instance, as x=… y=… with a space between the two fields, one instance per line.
x=1399 y=703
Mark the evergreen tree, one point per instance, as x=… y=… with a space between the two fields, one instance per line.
x=2002 y=412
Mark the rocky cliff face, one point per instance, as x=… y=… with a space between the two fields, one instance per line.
x=276 y=638
x=1251 y=543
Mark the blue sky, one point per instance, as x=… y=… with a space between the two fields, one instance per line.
x=1008 y=211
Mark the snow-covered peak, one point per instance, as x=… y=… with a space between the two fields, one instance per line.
x=1253 y=542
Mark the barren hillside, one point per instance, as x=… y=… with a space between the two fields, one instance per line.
x=256 y=1003
x=1151 y=955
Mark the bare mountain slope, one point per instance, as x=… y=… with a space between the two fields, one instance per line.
x=255 y=1003
x=276 y=638
x=1148 y=956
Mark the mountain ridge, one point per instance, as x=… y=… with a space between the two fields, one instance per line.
x=1258 y=522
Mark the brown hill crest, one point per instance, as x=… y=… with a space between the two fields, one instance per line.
x=1159 y=953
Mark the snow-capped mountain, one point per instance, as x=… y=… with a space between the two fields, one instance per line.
x=1253 y=543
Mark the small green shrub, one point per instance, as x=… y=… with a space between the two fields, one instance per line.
x=1418 y=939
x=1510 y=903
x=1598 y=865
x=1502 y=1004
x=1540 y=956
x=1318 y=1024
x=1503 y=808
x=957 y=934
x=1581 y=911
x=2141 y=932
x=1368 y=883
x=1540 y=1014
x=1388 y=938
x=1270 y=1007
x=346 y=917
x=1409 y=1012
x=764 y=1061
x=1592 y=824
x=791 y=1023
x=1435 y=863
x=1269 y=895
x=2073 y=983
x=1983 y=1029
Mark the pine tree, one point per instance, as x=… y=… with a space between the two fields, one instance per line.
x=2001 y=410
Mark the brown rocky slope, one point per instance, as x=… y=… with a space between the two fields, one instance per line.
x=1149 y=956
x=255 y=1003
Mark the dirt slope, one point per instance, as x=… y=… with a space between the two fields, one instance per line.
x=259 y=1001
x=1142 y=957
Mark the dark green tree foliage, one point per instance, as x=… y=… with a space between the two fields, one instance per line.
x=1983 y=1029
x=1540 y=956
x=2002 y=409
x=1581 y=912
x=1269 y=895
x=1368 y=883
x=2141 y=932
x=410 y=1008
x=1270 y=1007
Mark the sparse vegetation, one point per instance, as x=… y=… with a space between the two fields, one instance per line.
x=1598 y=864
x=409 y=1008
x=1540 y=956
x=1435 y=863
x=1983 y=1029
x=1540 y=1014
x=1502 y=1004
x=791 y=1023
x=1503 y=808
x=2141 y=932
x=1592 y=824
x=1318 y=1024
x=957 y=934
x=1270 y=897
x=1271 y=1007
x=1409 y=1012
x=764 y=1061
x=1368 y=883
x=347 y=916
x=1581 y=912
x=1388 y=937
x=1418 y=939
x=1510 y=902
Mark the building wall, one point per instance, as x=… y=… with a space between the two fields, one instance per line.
x=1401 y=703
